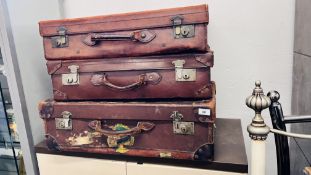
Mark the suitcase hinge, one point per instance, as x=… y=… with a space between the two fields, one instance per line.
x=182 y=74
x=73 y=77
x=65 y=122
x=61 y=40
x=179 y=127
x=182 y=31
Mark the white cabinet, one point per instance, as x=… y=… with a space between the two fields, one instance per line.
x=68 y=165
x=156 y=169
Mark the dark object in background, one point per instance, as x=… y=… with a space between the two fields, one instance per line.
x=281 y=142
x=176 y=30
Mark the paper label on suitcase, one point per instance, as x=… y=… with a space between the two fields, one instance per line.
x=203 y=111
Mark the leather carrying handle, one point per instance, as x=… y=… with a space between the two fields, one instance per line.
x=101 y=79
x=139 y=128
x=143 y=36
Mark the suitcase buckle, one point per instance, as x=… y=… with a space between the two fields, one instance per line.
x=182 y=31
x=182 y=74
x=179 y=127
x=61 y=40
x=64 y=123
x=73 y=77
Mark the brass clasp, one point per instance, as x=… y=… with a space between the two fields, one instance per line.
x=65 y=122
x=73 y=77
x=182 y=74
x=182 y=31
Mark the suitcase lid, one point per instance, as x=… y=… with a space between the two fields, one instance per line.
x=195 y=111
x=132 y=64
x=127 y=21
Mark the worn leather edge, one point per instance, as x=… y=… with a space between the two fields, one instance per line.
x=205 y=60
x=167 y=154
x=53 y=66
x=204 y=153
x=44 y=25
x=46 y=108
x=59 y=95
x=51 y=143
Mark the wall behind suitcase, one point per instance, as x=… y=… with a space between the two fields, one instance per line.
x=251 y=39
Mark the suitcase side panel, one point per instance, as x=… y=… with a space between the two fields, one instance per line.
x=127 y=21
x=165 y=87
x=164 y=42
x=134 y=78
x=161 y=111
x=132 y=63
x=160 y=140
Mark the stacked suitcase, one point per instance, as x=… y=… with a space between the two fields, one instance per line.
x=136 y=84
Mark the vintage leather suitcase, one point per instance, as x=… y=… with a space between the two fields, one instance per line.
x=131 y=34
x=153 y=77
x=177 y=130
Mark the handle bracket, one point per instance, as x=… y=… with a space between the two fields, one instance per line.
x=142 y=36
x=143 y=79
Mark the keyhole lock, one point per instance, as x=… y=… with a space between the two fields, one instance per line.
x=186 y=76
x=70 y=80
x=182 y=74
x=183 y=128
x=185 y=31
x=179 y=127
x=62 y=124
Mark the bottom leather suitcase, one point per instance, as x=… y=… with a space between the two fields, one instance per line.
x=177 y=130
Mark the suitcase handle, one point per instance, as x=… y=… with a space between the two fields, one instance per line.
x=139 y=128
x=143 y=36
x=101 y=79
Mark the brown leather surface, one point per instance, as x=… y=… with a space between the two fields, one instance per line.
x=160 y=139
x=126 y=21
x=158 y=22
x=127 y=71
x=229 y=155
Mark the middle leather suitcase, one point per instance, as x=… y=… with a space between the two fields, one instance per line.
x=154 y=77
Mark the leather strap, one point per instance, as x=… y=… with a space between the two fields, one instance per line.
x=139 y=128
x=143 y=79
x=143 y=36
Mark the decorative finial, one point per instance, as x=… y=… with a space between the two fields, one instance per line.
x=258 y=101
x=274 y=96
x=258 y=130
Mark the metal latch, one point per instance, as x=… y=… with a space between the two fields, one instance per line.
x=182 y=31
x=73 y=77
x=179 y=127
x=61 y=40
x=182 y=74
x=65 y=122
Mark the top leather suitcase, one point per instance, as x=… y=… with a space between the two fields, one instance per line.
x=145 y=33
